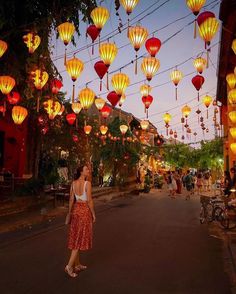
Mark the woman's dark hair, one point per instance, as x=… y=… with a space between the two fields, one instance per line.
x=79 y=170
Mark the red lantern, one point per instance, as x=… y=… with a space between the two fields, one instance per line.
x=101 y=69
x=105 y=111
x=198 y=81
x=71 y=117
x=113 y=98
x=153 y=45
x=2 y=109
x=93 y=33
x=44 y=130
x=56 y=86
x=13 y=97
x=75 y=138
x=203 y=16
x=147 y=101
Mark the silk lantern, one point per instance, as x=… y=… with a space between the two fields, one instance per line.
x=93 y=32
x=13 y=97
x=232 y=116
x=233 y=47
x=103 y=129
x=198 y=81
x=56 y=86
x=71 y=117
x=66 y=31
x=207 y=100
x=144 y=124
x=167 y=118
x=40 y=79
x=147 y=101
x=200 y=63
x=120 y=82
x=113 y=98
x=129 y=5
x=100 y=15
x=150 y=66
x=153 y=46
x=32 y=41
x=86 y=98
x=232 y=97
x=105 y=111
x=233 y=148
x=195 y=6
x=87 y=129
x=145 y=90
x=52 y=107
x=233 y=132
x=101 y=69
x=19 y=114
x=176 y=76
x=7 y=83
x=99 y=103
x=3 y=47
x=231 y=80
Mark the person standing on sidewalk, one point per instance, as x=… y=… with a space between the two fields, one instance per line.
x=81 y=216
x=189 y=185
x=101 y=174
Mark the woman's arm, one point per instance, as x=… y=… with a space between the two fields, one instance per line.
x=90 y=200
x=71 y=200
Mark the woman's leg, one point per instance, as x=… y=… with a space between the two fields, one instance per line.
x=72 y=259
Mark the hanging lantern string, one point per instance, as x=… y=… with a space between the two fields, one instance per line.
x=133 y=20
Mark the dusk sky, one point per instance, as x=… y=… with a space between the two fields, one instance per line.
x=182 y=47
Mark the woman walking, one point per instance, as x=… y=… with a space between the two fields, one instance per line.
x=81 y=216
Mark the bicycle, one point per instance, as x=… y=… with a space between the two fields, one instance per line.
x=211 y=209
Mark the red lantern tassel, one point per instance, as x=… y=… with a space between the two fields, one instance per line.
x=100 y=85
x=38 y=104
x=136 y=64
x=197 y=96
x=207 y=65
x=176 y=93
x=107 y=81
x=147 y=113
x=93 y=48
x=73 y=93
x=128 y=29
x=195 y=28
x=4 y=108
x=65 y=58
x=207 y=113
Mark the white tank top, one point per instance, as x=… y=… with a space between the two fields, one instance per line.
x=82 y=197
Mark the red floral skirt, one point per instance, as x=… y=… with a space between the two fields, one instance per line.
x=81 y=227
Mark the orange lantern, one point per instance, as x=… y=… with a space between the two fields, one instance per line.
x=129 y=6
x=231 y=80
x=123 y=129
x=137 y=36
x=52 y=108
x=232 y=116
x=39 y=78
x=3 y=47
x=200 y=63
x=74 y=68
x=233 y=148
x=99 y=102
x=167 y=118
x=66 y=31
x=7 y=83
x=120 y=82
x=32 y=41
x=176 y=76
x=233 y=46
x=103 y=129
x=87 y=129
x=144 y=124
x=150 y=66
x=233 y=132
x=100 y=15
x=19 y=113
x=232 y=97
x=207 y=100
x=86 y=98
x=145 y=90
x=76 y=107
x=195 y=6
x=186 y=111
x=208 y=29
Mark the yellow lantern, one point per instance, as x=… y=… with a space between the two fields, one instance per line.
x=66 y=31
x=150 y=66
x=3 y=47
x=167 y=118
x=52 y=108
x=233 y=46
x=207 y=100
x=86 y=98
x=32 y=41
x=137 y=36
x=122 y=99
x=103 y=130
x=195 y=6
x=19 y=113
x=76 y=107
x=200 y=64
x=74 y=68
x=120 y=82
x=7 y=83
x=61 y=110
x=99 y=102
x=231 y=80
x=123 y=129
x=176 y=76
x=87 y=129
x=232 y=116
x=108 y=52
x=233 y=148
x=208 y=29
x=186 y=111
x=100 y=15
x=233 y=132
x=144 y=124
x=232 y=97
x=129 y=5
x=145 y=90
x=39 y=78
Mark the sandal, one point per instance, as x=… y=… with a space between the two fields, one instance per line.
x=80 y=267
x=70 y=272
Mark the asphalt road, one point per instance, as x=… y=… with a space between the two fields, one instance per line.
x=149 y=244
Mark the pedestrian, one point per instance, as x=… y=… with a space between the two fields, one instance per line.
x=189 y=185
x=80 y=217
x=174 y=184
x=205 y=181
x=178 y=183
x=169 y=182
x=209 y=182
x=100 y=174
x=227 y=183
x=199 y=183
x=194 y=182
